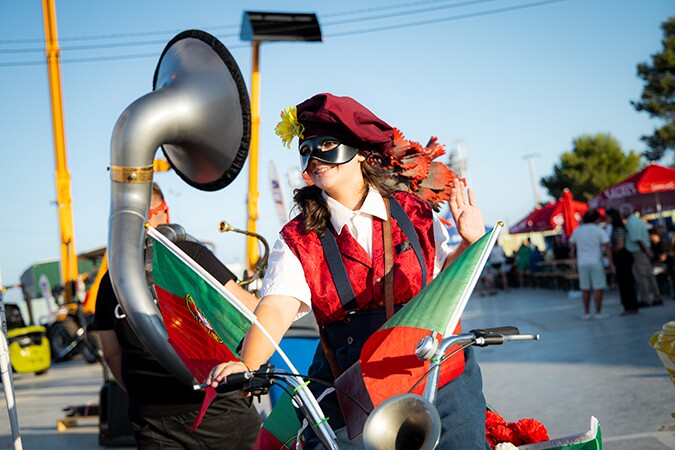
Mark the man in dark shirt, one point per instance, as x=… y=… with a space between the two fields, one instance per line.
x=162 y=409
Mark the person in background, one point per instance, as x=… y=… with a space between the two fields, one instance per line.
x=486 y=281
x=659 y=259
x=523 y=262
x=623 y=264
x=560 y=249
x=638 y=244
x=162 y=409
x=341 y=147
x=497 y=262
x=590 y=243
x=536 y=257
x=671 y=256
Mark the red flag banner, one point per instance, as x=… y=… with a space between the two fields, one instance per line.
x=388 y=361
x=388 y=365
x=205 y=322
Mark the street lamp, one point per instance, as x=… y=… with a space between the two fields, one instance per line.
x=533 y=178
x=258 y=27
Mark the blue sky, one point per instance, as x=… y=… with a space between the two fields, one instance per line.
x=506 y=77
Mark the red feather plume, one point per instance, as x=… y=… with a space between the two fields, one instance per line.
x=411 y=168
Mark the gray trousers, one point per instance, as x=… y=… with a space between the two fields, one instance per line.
x=644 y=278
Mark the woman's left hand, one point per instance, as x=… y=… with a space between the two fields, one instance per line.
x=467 y=216
x=222 y=370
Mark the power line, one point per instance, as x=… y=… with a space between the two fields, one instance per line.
x=236 y=34
x=93 y=37
x=213 y=28
x=331 y=35
x=446 y=19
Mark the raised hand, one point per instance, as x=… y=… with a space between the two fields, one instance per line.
x=467 y=216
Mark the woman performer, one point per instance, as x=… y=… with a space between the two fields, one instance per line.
x=341 y=148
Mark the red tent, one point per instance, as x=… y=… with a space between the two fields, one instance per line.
x=650 y=190
x=551 y=216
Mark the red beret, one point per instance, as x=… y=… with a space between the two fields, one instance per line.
x=346 y=119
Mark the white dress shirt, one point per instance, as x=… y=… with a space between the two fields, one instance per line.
x=285 y=275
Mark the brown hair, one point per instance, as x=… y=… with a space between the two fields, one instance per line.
x=157 y=191
x=313 y=207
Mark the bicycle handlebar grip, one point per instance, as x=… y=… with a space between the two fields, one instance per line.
x=492 y=339
x=503 y=331
x=238 y=378
x=234 y=382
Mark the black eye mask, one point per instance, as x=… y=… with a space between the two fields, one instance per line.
x=314 y=148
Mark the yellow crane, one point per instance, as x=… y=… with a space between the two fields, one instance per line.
x=63 y=192
x=69 y=267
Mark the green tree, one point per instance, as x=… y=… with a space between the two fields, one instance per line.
x=594 y=164
x=658 y=95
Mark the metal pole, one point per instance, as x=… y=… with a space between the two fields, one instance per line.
x=253 y=194
x=63 y=198
x=7 y=378
x=533 y=178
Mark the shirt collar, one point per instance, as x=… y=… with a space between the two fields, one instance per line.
x=339 y=214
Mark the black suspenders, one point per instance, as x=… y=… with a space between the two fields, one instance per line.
x=406 y=225
x=337 y=267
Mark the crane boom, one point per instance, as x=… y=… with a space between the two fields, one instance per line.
x=63 y=194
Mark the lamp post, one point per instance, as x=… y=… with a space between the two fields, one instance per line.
x=533 y=178
x=258 y=27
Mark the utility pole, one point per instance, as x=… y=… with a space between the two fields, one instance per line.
x=460 y=159
x=535 y=190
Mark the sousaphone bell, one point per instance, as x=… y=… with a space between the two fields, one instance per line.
x=199 y=114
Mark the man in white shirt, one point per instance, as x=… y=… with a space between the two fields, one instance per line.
x=590 y=243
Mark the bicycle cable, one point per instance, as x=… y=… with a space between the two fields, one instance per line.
x=443 y=359
x=282 y=374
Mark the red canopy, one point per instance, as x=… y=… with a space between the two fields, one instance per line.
x=551 y=216
x=650 y=190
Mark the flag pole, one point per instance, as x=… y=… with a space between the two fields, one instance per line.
x=211 y=280
x=6 y=376
x=475 y=275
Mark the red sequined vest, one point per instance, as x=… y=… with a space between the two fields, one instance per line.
x=366 y=273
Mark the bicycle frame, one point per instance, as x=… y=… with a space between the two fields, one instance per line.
x=427 y=349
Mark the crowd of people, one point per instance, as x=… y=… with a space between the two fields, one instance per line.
x=619 y=248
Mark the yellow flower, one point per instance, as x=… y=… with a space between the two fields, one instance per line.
x=289 y=127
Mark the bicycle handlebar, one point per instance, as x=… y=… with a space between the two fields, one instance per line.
x=428 y=348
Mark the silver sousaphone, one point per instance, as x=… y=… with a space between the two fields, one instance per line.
x=199 y=114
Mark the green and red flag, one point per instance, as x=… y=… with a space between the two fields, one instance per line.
x=204 y=321
x=280 y=429
x=388 y=364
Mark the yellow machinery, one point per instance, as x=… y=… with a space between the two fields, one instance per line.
x=28 y=346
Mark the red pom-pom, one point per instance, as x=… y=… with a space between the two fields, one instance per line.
x=530 y=431
x=491 y=441
x=525 y=431
x=493 y=419
x=502 y=433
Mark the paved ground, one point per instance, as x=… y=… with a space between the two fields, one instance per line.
x=577 y=370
